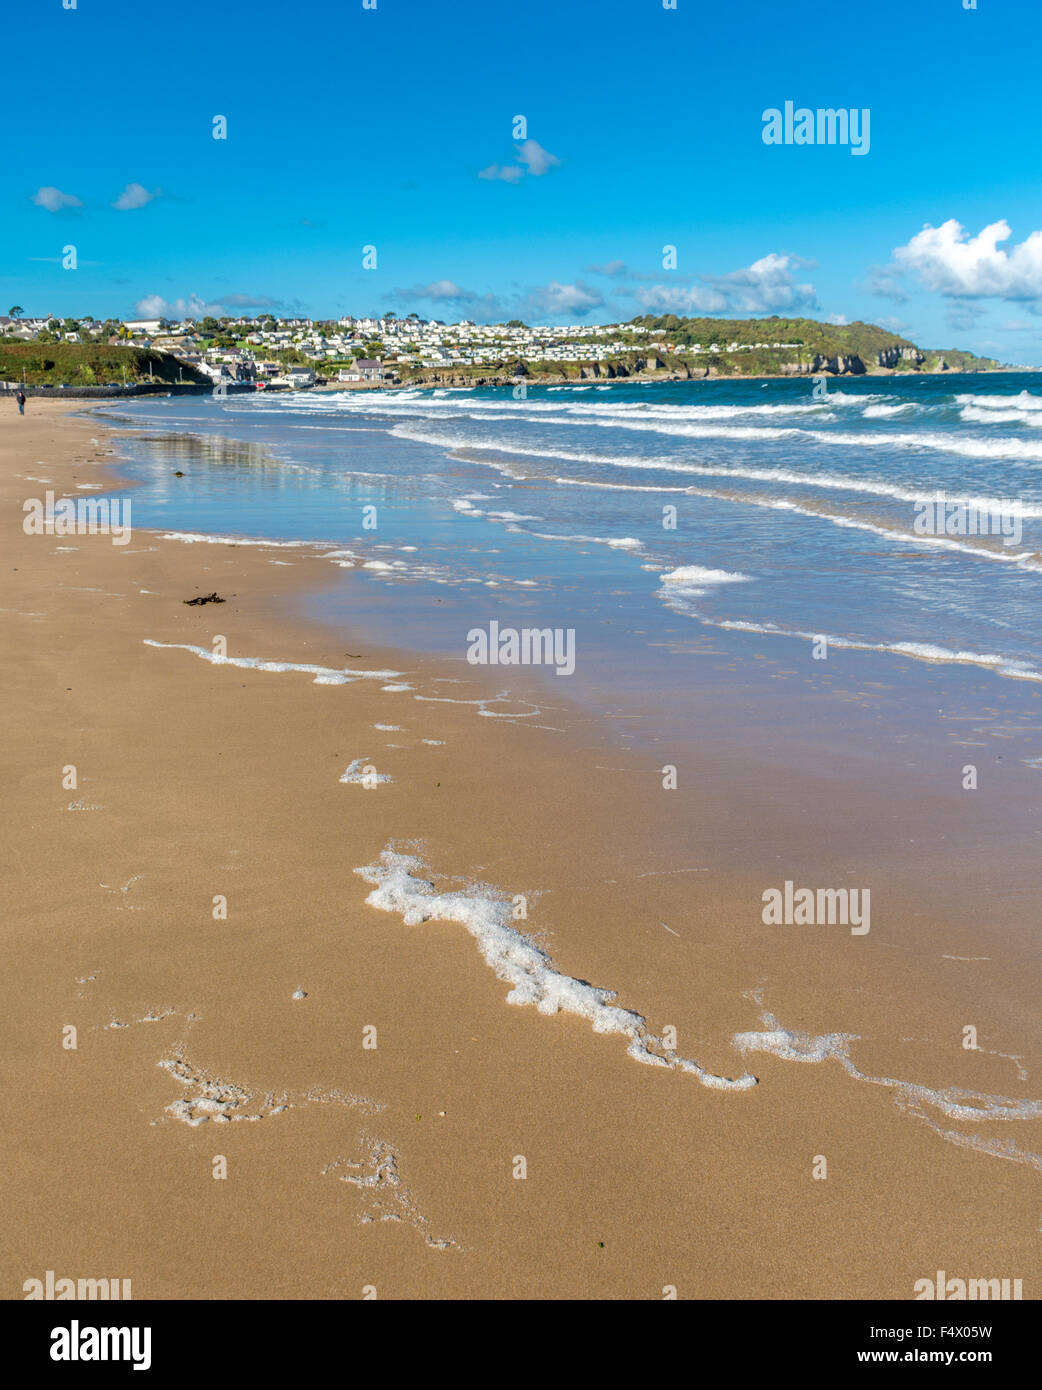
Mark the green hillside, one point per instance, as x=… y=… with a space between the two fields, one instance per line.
x=876 y=347
x=88 y=364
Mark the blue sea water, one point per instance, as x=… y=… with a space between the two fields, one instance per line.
x=796 y=514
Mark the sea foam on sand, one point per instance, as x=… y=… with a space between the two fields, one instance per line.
x=953 y=1103
x=361 y=772
x=516 y=959
x=324 y=675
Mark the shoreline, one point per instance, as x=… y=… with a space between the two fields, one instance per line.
x=146 y=389
x=215 y=782
x=662 y=377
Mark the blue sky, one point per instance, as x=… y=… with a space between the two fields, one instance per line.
x=393 y=128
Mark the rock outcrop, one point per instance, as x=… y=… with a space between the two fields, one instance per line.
x=838 y=365
x=891 y=356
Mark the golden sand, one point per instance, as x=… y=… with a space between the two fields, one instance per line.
x=396 y=1167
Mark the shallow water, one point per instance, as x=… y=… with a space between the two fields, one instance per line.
x=794 y=515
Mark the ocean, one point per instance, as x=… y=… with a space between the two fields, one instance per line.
x=751 y=507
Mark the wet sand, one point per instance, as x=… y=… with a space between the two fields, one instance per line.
x=197 y=781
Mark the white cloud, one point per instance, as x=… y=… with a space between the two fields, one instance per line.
x=682 y=299
x=766 y=286
x=838 y=319
x=154 y=306
x=135 y=195
x=537 y=160
x=448 y=292
x=531 y=155
x=53 y=199
x=556 y=299
x=612 y=268
x=948 y=261
x=509 y=173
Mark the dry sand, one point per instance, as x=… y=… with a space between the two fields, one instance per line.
x=195 y=781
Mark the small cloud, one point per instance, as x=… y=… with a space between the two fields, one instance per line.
x=154 y=306
x=837 y=319
x=532 y=159
x=682 y=299
x=439 y=290
x=612 y=268
x=535 y=158
x=766 y=286
x=448 y=292
x=509 y=173
x=54 y=200
x=556 y=299
x=135 y=195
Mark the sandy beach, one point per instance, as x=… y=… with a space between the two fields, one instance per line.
x=480 y=1149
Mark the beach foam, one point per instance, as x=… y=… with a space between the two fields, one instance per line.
x=517 y=960
x=324 y=675
x=356 y=774
x=920 y=651
x=388 y=1199
x=210 y=1098
x=615 y=542
x=925 y=1103
x=692 y=580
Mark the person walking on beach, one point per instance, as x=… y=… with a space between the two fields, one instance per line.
x=20 y=398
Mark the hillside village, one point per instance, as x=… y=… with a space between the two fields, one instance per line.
x=349 y=352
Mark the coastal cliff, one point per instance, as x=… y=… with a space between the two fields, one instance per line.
x=669 y=348
x=671 y=368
